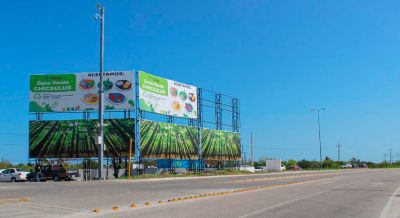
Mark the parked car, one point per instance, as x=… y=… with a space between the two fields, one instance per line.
x=13 y=175
x=50 y=172
x=74 y=175
x=295 y=167
x=35 y=177
x=347 y=166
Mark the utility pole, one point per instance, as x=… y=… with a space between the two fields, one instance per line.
x=101 y=92
x=319 y=134
x=251 y=149
x=392 y=156
x=338 y=151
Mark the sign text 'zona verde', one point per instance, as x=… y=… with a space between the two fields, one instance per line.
x=53 y=83
x=153 y=84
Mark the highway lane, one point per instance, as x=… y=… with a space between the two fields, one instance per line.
x=349 y=193
x=360 y=194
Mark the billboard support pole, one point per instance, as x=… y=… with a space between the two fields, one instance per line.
x=236 y=119
x=130 y=158
x=101 y=93
x=170 y=119
x=199 y=126
x=137 y=121
x=218 y=120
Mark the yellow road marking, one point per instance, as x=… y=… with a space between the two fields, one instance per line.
x=13 y=200
x=263 y=187
x=96 y=210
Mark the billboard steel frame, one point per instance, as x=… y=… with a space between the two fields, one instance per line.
x=220 y=103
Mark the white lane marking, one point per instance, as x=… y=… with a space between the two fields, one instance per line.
x=283 y=203
x=49 y=207
x=376 y=184
x=293 y=200
x=387 y=209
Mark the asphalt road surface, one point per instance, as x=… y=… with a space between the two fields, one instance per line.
x=349 y=193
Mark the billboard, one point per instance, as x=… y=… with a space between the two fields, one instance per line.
x=166 y=96
x=166 y=141
x=220 y=145
x=76 y=138
x=80 y=91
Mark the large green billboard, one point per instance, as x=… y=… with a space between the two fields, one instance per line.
x=220 y=145
x=80 y=91
x=168 y=97
x=168 y=141
x=76 y=138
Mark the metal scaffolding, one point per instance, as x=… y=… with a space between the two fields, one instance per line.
x=218 y=111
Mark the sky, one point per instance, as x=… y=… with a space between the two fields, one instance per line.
x=280 y=58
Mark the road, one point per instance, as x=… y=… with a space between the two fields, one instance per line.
x=349 y=193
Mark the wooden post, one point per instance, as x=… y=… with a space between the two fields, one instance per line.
x=130 y=158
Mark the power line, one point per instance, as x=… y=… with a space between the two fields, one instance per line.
x=12 y=133
x=393 y=157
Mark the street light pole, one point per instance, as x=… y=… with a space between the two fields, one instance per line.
x=251 y=149
x=338 y=151
x=319 y=134
x=101 y=93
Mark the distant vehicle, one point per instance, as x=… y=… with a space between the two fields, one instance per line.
x=13 y=175
x=74 y=174
x=257 y=169
x=346 y=166
x=275 y=165
x=51 y=172
x=295 y=167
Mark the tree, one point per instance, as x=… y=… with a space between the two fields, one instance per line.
x=314 y=164
x=305 y=164
x=260 y=163
x=291 y=163
x=5 y=164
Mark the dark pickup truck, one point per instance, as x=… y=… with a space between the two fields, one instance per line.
x=51 y=172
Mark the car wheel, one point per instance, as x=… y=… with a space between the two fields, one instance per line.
x=56 y=179
x=13 y=179
x=32 y=180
